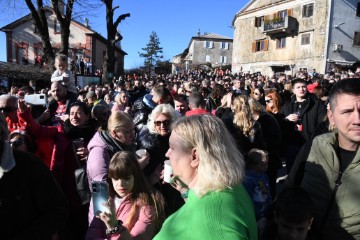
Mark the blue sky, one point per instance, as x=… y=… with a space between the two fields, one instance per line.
x=175 y=22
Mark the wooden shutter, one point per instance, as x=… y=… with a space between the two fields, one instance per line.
x=225 y=59
x=253 y=47
x=310 y=10
x=266 y=44
x=289 y=12
x=256 y=22
x=226 y=45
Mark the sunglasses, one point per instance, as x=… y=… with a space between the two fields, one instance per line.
x=166 y=123
x=8 y=109
x=16 y=143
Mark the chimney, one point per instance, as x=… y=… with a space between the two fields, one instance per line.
x=198 y=33
x=86 y=22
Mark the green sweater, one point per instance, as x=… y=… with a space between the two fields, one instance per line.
x=228 y=214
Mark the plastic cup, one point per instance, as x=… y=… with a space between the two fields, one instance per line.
x=168 y=172
x=140 y=153
x=79 y=143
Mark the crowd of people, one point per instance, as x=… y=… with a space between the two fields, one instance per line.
x=226 y=136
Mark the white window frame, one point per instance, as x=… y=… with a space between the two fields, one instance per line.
x=223 y=59
x=224 y=45
x=306 y=15
x=209 y=44
x=207 y=58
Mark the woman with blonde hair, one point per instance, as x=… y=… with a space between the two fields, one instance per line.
x=119 y=136
x=154 y=137
x=135 y=209
x=204 y=157
x=242 y=125
x=121 y=103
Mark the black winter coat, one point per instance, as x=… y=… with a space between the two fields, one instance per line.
x=141 y=112
x=312 y=114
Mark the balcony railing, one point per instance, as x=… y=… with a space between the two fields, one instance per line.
x=286 y=25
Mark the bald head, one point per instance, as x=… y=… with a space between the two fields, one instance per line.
x=8 y=100
x=58 y=91
x=8 y=105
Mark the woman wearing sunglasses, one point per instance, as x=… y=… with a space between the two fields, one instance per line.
x=259 y=95
x=154 y=137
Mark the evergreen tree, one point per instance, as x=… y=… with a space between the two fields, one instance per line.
x=152 y=52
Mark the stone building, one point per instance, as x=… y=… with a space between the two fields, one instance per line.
x=211 y=49
x=290 y=35
x=24 y=42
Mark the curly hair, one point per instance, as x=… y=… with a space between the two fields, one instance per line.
x=243 y=118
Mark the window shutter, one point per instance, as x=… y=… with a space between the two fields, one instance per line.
x=266 y=44
x=310 y=10
x=204 y=44
x=211 y=44
x=225 y=58
x=253 y=47
x=256 y=22
x=304 y=11
x=289 y=12
x=227 y=45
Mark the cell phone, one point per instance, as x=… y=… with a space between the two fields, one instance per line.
x=100 y=195
x=35 y=99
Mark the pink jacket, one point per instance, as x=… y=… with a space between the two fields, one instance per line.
x=143 y=229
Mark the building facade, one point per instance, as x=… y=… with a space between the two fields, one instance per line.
x=23 y=43
x=290 y=35
x=211 y=49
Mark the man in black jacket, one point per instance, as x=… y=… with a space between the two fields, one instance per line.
x=302 y=115
x=32 y=205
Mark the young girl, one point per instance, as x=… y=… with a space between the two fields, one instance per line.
x=135 y=210
x=63 y=74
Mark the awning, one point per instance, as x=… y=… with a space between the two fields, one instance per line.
x=278 y=65
x=341 y=62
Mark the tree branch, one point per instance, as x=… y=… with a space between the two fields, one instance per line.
x=120 y=18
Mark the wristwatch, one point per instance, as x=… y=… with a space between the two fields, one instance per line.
x=117 y=229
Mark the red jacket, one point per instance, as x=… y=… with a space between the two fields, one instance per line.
x=196 y=111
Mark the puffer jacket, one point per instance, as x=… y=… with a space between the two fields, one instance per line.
x=141 y=109
x=157 y=147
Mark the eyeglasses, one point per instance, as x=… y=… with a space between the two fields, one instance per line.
x=268 y=100
x=166 y=123
x=8 y=109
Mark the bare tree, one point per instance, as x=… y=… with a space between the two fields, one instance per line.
x=40 y=22
x=113 y=36
x=64 y=20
